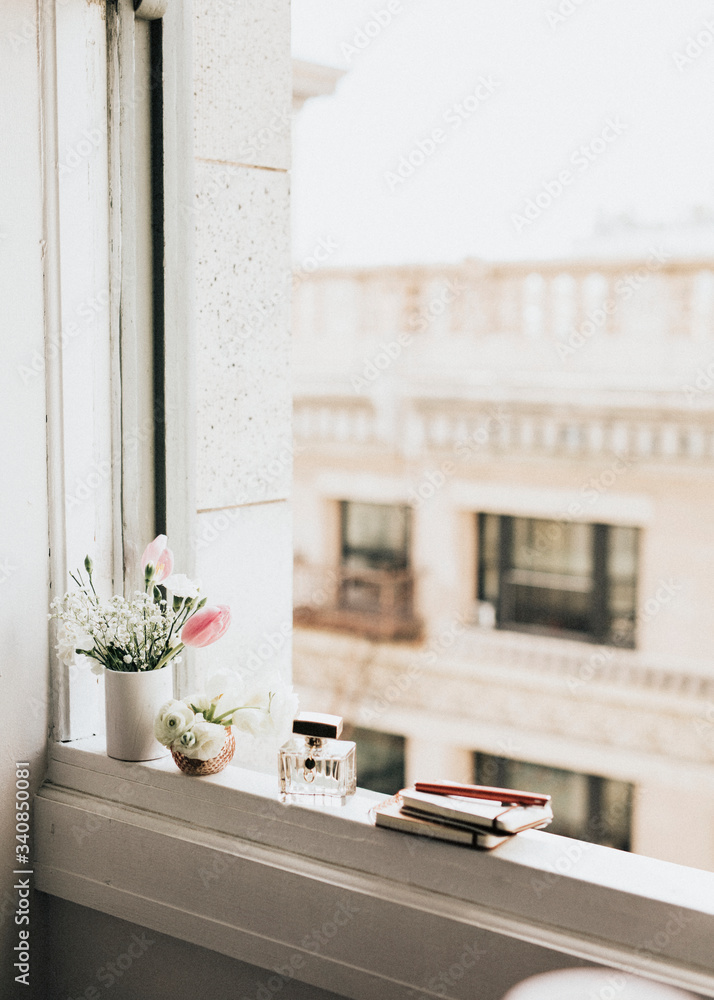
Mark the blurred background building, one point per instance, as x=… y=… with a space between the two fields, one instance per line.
x=503 y=324
x=504 y=532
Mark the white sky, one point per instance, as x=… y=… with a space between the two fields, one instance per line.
x=557 y=85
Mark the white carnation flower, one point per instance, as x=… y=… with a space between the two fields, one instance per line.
x=203 y=741
x=69 y=640
x=174 y=719
x=179 y=585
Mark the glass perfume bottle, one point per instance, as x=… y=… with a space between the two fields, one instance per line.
x=315 y=765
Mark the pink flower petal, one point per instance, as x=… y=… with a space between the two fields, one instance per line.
x=164 y=566
x=206 y=626
x=153 y=551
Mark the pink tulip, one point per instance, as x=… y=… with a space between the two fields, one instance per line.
x=161 y=558
x=206 y=626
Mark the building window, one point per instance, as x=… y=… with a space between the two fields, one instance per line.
x=559 y=578
x=380 y=759
x=375 y=536
x=371 y=592
x=585 y=806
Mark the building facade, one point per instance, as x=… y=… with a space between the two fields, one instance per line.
x=503 y=534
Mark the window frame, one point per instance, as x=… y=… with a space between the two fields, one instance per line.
x=347 y=550
x=232 y=820
x=149 y=283
x=241 y=851
x=594 y=786
x=599 y=611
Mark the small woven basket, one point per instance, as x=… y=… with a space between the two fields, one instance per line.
x=198 y=768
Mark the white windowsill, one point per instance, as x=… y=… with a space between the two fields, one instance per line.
x=258 y=876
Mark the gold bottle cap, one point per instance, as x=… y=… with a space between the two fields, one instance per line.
x=326 y=727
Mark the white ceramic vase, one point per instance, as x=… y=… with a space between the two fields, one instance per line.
x=131 y=703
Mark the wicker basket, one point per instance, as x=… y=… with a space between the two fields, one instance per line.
x=198 y=768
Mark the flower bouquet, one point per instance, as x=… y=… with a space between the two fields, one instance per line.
x=145 y=631
x=131 y=640
x=199 y=729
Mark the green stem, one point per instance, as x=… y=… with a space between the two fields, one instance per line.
x=169 y=656
x=225 y=715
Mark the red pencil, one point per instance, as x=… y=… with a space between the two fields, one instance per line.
x=506 y=795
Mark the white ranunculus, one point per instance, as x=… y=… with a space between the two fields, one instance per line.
x=253 y=721
x=199 y=702
x=173 y=719
x=271 y=706
x=283 y=709
x=202 y=741
x=229 y=685
x=179 y=585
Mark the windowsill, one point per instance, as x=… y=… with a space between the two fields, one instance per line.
x=587 y=638
x=257 y=875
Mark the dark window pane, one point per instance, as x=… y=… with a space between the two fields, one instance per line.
x=489 y=541
x=375 y=536
x=547 y=607
x=556 y=547
x=622 y=584
x=379 y=759
x=585 y=806
x=549 y=580
x=560 y=577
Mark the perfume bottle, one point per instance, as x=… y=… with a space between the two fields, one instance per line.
x=315 y=765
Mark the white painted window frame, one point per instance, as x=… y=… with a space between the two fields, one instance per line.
x=260 y=878
x=117 y=172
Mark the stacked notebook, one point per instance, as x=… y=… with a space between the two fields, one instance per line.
x=473 y=815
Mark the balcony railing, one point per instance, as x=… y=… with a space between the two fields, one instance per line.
x=375 y=603
x=655 y=296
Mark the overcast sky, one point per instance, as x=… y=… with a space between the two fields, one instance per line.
x=612 y=102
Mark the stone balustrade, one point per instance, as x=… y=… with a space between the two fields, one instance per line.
x=654 y=297
x=658 y=433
